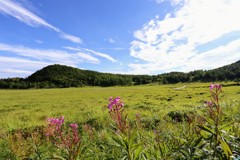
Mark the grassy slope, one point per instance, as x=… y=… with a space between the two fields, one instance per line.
x=25 y=108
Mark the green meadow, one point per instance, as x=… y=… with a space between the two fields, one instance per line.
x=20 y=109
x=26 y=108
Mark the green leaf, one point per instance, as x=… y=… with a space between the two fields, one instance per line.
x=226 y=126
x=126 y=144
x=198 y=141
x=58 y=157
x=125 y=157
x=226 y=148
x=138 y=151
x=118 y=141
x=205 y=128
x=210 y=121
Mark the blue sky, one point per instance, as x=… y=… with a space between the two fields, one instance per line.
x=118 y=36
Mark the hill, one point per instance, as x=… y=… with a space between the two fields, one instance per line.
x=65 y=76
x=226 y=73
x=59 y=76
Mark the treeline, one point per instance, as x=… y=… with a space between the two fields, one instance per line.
x=59 y=76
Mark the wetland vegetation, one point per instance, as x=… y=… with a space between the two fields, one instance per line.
x=157 y=122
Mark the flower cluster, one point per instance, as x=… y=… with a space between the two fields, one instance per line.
x=62 y=138
x=59 y=121
x=54 y=125
x=75 y=137
x=209 y=103
x=213 y=129
x=213 y=105
x=215 y=86
x=116 y=110
x=117 y=103
x=74 y=126
x=215 y=90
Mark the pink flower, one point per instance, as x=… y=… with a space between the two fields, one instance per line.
x=55 y=122
x=217 y=86
x=211 y=86
x=54 y=125
x=137 y=115
x=209 y=103
x=74 y=126
x=115 y=102
x=110 y=106
x=61 y=120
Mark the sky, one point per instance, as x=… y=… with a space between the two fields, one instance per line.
x=118 y=36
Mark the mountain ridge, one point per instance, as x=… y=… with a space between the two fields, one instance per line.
x=61 y=76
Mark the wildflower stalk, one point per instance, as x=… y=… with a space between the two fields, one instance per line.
x=68 y=140
x=116 y=112
x=213 y=126
x=125 y=138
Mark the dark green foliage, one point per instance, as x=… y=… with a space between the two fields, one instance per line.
x=175 y=77
x=59 y=76
x=178 y=116
x=64 y=76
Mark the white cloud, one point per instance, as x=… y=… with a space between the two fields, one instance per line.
x=218 y=57
x=89 y=51
x=25 y=66
x=88 y=57
x=10 y=73
x=38 y=41
x=101 y=55
x=114 y=48
x=71 y=38
x=49 y=55
x=173 y=2
x=159 y=1
x=110 y=40
x=15 y=71
x=14 y=9
x=18 y=67
x=27 y=60
x=20 y=63
x=72 y=48
x=172 y=43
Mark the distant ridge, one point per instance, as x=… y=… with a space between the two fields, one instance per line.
x=59 y=76
x=65 y=76
x=57 y=72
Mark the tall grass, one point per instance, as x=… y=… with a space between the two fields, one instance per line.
x=155 y=122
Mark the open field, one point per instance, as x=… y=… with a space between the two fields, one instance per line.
x=25 y=108
x=148 y=134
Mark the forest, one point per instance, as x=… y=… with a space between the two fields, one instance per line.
x=60 y=76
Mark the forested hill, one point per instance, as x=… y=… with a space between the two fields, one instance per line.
x=64 y=76
x=59 y=76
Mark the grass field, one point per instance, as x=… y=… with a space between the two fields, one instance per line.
x=88 y=105
x=25 y=108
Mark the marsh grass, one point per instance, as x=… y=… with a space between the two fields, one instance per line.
x=87 y=106
x=26 y=108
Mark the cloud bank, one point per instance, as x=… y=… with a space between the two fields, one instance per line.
x=181 y=41
x=25 y=60
x=89 y=51
x=16 y=10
